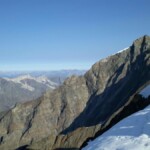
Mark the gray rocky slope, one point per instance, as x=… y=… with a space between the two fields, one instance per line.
x=82 y=106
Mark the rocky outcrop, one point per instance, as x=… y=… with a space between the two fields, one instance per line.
x=112 y=81
x=82 y=106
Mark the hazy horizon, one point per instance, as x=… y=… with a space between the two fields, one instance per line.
x=5 y=71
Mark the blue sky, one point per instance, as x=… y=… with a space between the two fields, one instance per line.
x=67 y=34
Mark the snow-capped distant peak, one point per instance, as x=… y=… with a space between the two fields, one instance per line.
x=27 y=76
x=132 y=133
x=46 y=81
x=41 y=79
x=19 y=78
x=24 y=85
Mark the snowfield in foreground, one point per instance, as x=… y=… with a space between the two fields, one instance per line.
x=132 y=133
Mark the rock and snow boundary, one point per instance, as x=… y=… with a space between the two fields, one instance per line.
x=132 y=133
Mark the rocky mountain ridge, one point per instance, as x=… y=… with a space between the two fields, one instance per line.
x=82 y=106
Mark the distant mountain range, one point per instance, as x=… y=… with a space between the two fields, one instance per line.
x=22 y=88
x=25 y=86
x=26 y=82
x=49 y=74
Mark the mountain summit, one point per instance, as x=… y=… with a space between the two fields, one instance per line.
x=82 y=106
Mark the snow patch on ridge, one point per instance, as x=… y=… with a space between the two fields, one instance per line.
x=27 y=86
x=122 y=50
x=45 y=80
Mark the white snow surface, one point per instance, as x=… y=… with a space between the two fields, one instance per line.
x=146 y=91
x=25 y=85
x=132 y=133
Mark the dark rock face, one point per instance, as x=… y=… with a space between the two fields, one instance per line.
x=82 y=106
